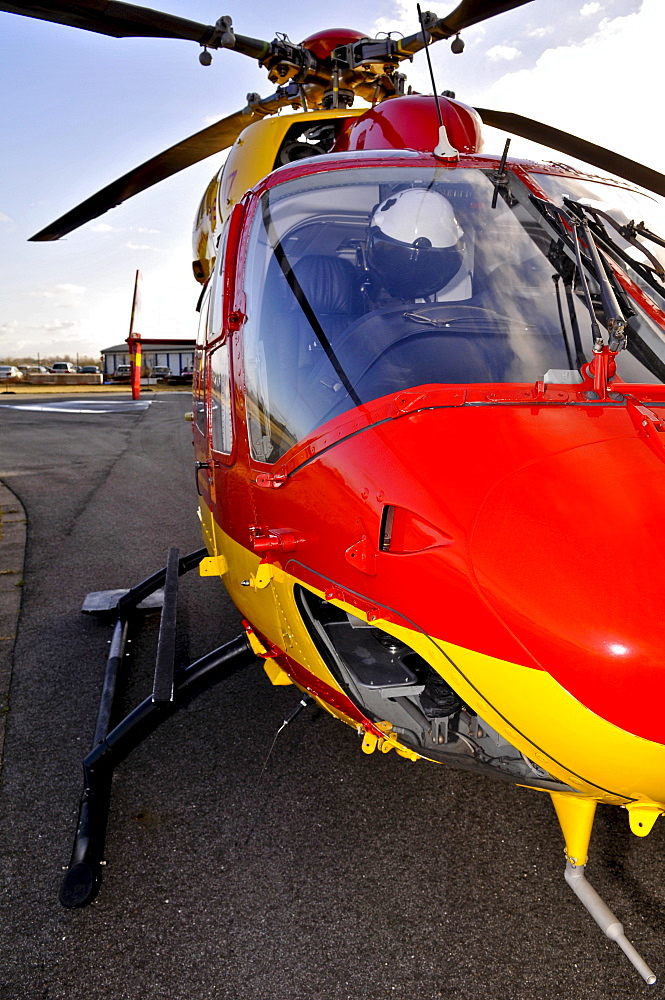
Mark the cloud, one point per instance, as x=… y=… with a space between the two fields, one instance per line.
x=47 y=339
x=58 y=325
x=590 y=8
x=5 y=218
x=104 y=227
x=66 y=294
x=65 y=289
x=605 y=111
x=505 y=52
x=141 y=246
x=404 y=14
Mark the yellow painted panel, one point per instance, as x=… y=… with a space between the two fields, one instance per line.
x=276 y=674
x=213 y=566
x=527 y=707
x=253 y=154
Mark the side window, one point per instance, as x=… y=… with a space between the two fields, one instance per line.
x=198 y=381
x=216 y=311
x=220 y=400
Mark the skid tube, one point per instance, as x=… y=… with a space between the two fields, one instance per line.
x=172 y=690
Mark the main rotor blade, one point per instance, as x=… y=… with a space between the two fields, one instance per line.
x=212 y=139
x=466 y=13
x=120 y=20
x=572 y=145
x=470 y=12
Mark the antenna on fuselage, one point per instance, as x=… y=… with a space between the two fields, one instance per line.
x=444 y=150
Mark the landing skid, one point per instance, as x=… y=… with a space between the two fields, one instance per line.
x=576 y=815
x=172 y=690
x=608 y=923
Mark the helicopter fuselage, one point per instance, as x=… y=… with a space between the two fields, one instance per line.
x=429 y=518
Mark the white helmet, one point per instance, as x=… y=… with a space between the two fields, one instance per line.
x=415 y=242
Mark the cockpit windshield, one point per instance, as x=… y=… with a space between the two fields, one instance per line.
x=364 y=282
x=621 y=206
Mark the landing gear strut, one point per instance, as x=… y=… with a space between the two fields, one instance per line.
x=172 y=690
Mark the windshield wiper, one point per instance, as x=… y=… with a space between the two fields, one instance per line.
x=573 y=231
x=614 y=318
x=629 y=232
x=603 y=367
x=566 y=225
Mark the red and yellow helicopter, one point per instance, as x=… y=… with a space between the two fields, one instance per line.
x=428 y=409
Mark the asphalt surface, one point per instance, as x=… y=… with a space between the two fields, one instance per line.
x=322 y=873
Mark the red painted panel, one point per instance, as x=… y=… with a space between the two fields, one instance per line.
x=412 y=123
x=570 y=551
x=324 y=42
x=556 y=551
x=553 y=515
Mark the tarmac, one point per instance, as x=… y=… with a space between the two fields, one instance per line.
x=12 y=555
x=241 y=866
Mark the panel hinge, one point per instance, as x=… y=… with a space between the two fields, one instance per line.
x=274 y=540
x=235 y=320
x=270 y=480
x=213 y=566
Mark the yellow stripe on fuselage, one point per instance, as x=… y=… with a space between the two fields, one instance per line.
x=529 y=708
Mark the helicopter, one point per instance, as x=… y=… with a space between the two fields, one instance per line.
x=428 y=400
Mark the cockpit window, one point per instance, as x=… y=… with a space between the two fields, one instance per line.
x=365 y=282
x=622 y=205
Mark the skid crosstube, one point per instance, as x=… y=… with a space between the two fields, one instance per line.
x=172 y=690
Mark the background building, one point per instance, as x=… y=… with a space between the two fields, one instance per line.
x=173 y=354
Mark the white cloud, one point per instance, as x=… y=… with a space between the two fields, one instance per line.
x=404 y=14
x=58 y=325
x=590 y=8
x=503 y=52
x=104 y=227
x=141 y=246
x=50 y=339
x=58 y=292
x=576 y=89
x=5 y=218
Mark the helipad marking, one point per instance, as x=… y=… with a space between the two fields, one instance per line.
x=83 y=406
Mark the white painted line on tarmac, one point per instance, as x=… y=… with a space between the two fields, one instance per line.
x=83 y=406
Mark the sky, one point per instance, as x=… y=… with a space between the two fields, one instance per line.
x=80 y=109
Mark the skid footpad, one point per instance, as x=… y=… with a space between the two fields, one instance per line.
x=79 y=886
x=100 y=602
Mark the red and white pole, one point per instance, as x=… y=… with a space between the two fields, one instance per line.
x=134 y=340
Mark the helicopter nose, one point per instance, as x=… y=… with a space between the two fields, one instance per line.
x=570 y=552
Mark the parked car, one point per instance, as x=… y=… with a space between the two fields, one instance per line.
x=184 y=378
x=123 y=373
x=90 y=370
x=10 y=373
x=160 y=372
x=29 y=370
x=63 y=368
